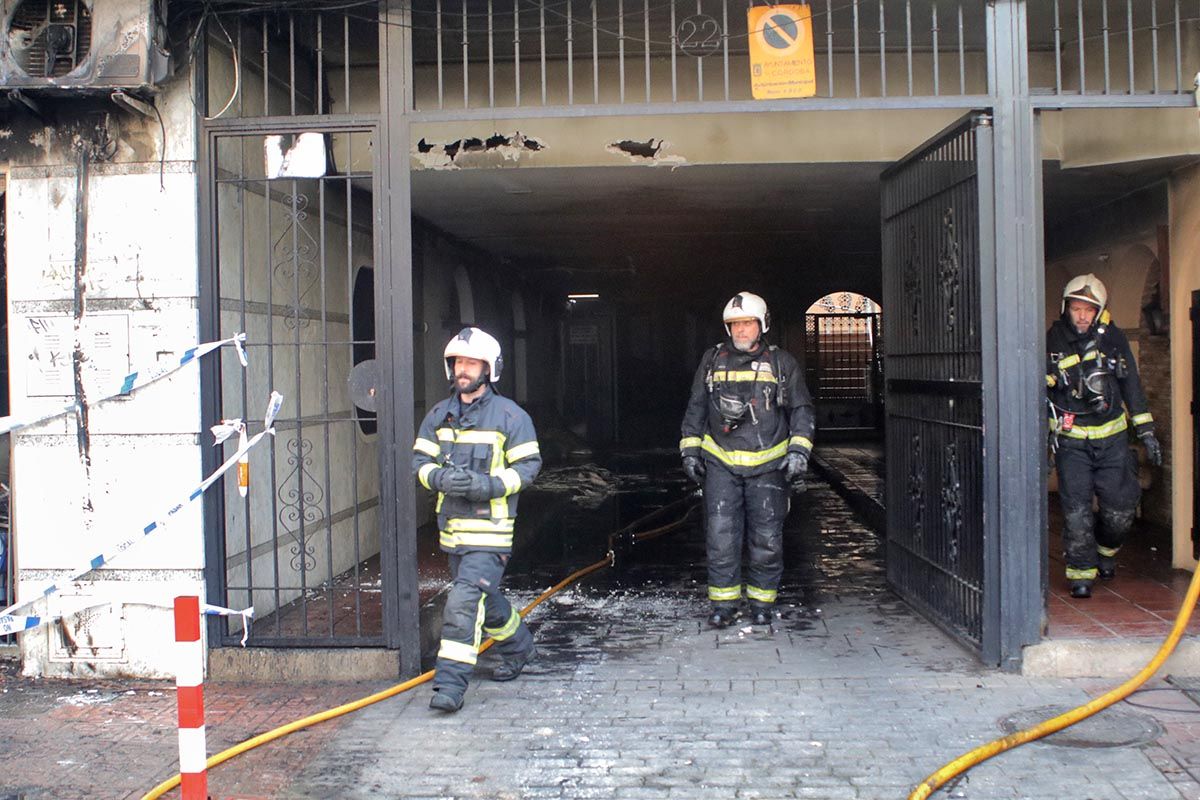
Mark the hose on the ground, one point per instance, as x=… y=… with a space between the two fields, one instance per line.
x=998 y=746
x=626 y=533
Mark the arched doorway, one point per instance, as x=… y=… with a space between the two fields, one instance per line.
x=842 y=365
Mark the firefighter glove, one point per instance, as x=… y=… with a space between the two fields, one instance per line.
x=794 y=464
x=450 y=480
x=480 y=487
x=1153 y=448
x=694 y=468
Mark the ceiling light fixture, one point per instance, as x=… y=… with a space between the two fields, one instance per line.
x=584 y=296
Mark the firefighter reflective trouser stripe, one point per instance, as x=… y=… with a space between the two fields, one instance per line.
x=1106 y=468
x=476 y=607
x=751 y=510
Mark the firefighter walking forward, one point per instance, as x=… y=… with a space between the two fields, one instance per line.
x=1095 y=397
x=747 y=433
x=477 y=450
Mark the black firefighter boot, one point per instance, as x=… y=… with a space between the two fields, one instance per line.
x=445 y=700
x=763 y=615
x=722 y=616
x=1081 y=589
x=511 y=666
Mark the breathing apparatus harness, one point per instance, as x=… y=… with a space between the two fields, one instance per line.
x=733 y=409
x=1095 y=368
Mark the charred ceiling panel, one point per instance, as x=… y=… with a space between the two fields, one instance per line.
x=651 y=152
x=496 y=150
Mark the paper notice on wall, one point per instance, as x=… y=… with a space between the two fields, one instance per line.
x=50 y=370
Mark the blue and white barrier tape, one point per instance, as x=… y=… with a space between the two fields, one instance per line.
x=132 y=382
x=16 y=624
x=115 y=549
x=219 y=611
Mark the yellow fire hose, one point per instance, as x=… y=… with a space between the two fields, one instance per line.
x=322 y=716
x=986 y=751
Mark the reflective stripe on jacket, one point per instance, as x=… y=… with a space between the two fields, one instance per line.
x=492 y=436
x=778 y=417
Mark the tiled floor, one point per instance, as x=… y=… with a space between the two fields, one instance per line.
x=1141 y=603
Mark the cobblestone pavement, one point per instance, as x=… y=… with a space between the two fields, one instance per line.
x=848 y=695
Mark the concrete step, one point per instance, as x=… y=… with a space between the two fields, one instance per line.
x=1100 y=658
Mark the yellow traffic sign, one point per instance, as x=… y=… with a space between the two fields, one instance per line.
x=781 y=52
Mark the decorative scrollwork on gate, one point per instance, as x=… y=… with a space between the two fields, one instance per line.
x=912 y=281
x=949 y=268
x=952 y=501
x=916 y=489
x=295 y=251
x=300 y=497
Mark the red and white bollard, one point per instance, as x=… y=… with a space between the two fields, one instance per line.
x=189 y=684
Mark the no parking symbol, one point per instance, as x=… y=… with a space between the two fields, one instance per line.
x=781 y=52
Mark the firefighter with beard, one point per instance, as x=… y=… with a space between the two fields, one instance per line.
x=747 y=433
x=1095 y=397
x=477 y=450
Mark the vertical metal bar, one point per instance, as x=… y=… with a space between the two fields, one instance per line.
x=962 y=55
x=441 y=69
x=298 y=387
x=1178 y=53
x=243 y=321
x=266 y=62
x=354 y=413
x=542 y=38
x=829 y=43
x=857 y=65
x=570 y=58
x=241 y=70
x=621 y=48
x=1057 y=50
x=320 y=103
x=1129 y=40
x=725 y=43
x=292 y=62
x=517 y=50
x=936 y=66
x=1154 y=44
x=646 y=43
x=346 y=61
x=491 y=57
x=595 y=55
x=908 y=42
x=699 y=63
x=1107 y=55
x=674 y=74
x=325 y=423
x=466 y=21
x=1082 y=54
x=883 y=53
x=269 y=272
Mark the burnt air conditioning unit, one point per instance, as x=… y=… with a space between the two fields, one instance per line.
x=82 y=45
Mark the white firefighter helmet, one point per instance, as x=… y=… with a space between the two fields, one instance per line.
x=477 y=344
x=745 y=305
x=1087 y=288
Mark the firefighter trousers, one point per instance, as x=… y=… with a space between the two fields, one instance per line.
x=475 y=608
x=1107 y=469
x=744 y=513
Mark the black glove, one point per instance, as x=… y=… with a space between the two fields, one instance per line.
x=450 y=480
x=1153 y=448
x=794 y=465
x=480 y=488
x=693 y=467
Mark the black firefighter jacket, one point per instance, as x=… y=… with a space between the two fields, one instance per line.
x=1099 y=410
x=493 y=436
x=778 y=410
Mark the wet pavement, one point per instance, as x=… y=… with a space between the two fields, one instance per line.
x=849 y=694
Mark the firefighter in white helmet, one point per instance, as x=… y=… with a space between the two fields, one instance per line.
x=747 y=433
x=1095 y=397
x=477 y=450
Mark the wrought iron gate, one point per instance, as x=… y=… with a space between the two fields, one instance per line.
x=937 y=224
x=294 y=252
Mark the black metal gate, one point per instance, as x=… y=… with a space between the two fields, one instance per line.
x=294 y=252
x=937 y=259
x=841 y=362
